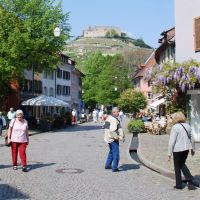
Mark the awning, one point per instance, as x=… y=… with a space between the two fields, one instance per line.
x=45 y=101
x=157 y=103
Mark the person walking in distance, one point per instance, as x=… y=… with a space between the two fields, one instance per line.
x=19 y=138
x=74 y=117
x=95 y=115
x=11 y=115
x=180 y=143
x=113 y=133
x=2 y=123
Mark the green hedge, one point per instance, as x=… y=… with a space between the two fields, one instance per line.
x=136 y=126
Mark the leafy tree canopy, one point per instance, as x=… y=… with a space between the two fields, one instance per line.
x=132 y=101
x=106 y=77
x=26 y=36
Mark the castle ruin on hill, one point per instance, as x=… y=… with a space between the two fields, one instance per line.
x=100 y=31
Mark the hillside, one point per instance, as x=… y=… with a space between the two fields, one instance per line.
x=80 y=48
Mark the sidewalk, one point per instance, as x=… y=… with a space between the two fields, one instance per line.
x=152 y=152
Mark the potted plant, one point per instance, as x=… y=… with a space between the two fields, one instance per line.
x=136 y=126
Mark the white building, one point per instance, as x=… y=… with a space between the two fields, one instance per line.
x=187 y=23
x=64 y=83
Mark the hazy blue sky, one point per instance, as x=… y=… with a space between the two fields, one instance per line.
x=140 y=18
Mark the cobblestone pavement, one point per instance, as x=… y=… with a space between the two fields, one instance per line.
x=153 y=148
x=69 y=165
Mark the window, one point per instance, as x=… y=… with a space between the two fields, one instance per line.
x=59 y=73
x=80 y=94
x=38 y=86
x=149 y=95
x=45 y=75
x=66 y=75
x=197 y=34
x=80 y=81
x=50 y=91
x=66 y=90
x=51 y=75
x=27 y=86
x=59 y=90
x=45 y=91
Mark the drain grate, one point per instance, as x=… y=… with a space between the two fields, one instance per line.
x=70 y=171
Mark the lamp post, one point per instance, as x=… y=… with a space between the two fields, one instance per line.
x=57 y=32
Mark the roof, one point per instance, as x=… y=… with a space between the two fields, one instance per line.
x=167 y=40
x=142 y=69
x=71 y=62
x=167 y=35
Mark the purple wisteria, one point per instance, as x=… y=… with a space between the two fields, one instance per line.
x=184 y=76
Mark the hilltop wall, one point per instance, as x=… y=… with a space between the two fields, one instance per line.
x=100 y=31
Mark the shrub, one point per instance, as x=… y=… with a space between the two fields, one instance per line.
x=136 y=126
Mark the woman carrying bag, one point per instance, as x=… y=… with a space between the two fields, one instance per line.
x=180 y=143
x=18 y=136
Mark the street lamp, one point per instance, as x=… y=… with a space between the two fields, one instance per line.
x=57 y=32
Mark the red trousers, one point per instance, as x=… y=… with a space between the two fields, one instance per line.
x=21 y=147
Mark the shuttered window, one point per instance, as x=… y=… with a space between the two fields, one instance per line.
x=197 y=34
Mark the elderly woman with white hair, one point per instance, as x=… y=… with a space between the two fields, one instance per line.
x=18 y=136
x=180 y=143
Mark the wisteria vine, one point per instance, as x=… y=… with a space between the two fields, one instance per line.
x=185 y=76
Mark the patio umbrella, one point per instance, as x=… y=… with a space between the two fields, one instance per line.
x=45 y=101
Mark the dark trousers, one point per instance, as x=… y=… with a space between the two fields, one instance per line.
x=113 y=155
x=180 y=166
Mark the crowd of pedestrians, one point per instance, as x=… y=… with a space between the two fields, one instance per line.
x=180 y=143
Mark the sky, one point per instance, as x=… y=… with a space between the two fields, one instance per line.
x=144 y=19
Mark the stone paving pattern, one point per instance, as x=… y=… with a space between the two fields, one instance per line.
x=69 y=165
x=154 y=149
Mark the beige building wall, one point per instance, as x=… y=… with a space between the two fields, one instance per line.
x=99 y=31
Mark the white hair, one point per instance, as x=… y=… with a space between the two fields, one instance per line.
x=114 y=109
x=19 y=112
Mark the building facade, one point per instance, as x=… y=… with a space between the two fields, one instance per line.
x=143 y=83
x=64 y=83
x=166 y=51
x=188 y=47
x=187 y=23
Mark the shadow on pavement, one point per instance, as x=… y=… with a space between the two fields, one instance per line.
x=84 y=128
x=2 y=145
x=5 y=166
x=127 y=167
x=197 y=178
x=39 y=165
x=9 y=192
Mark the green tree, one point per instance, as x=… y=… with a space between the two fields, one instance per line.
x=26 y=36
x=112 y=34
x=103 y=75
x=132 y=101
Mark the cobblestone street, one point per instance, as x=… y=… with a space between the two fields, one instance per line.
x=69 y=164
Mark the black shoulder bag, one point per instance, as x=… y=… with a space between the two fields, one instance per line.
x=189 y=136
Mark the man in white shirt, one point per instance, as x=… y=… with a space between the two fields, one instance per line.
x=113 y=133
x=11 y=115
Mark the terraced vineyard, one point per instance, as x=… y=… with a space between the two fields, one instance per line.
x=81 y=48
